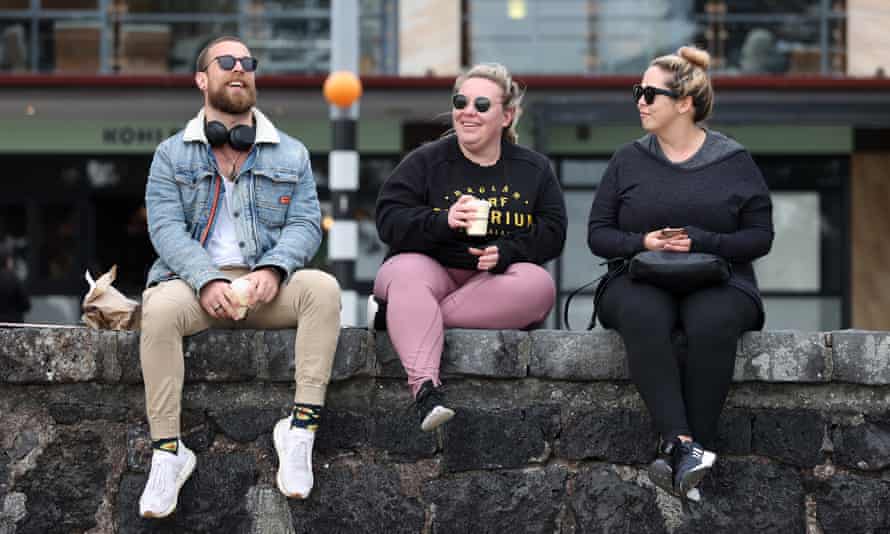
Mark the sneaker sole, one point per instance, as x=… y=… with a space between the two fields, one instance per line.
x=694 y=476
x=180 y=482
x=437 y=417
x=278 y=451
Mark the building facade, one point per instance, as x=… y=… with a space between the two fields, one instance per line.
x=89 y=87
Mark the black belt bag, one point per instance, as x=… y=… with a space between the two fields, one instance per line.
x=679 y=272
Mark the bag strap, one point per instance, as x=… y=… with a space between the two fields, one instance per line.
x=608 y=275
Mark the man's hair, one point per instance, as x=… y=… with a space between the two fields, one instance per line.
x=201 y=62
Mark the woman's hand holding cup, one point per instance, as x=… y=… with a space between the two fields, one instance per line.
x=462 y=212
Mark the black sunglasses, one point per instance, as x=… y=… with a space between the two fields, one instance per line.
x=481 y=103
x=648 y=93
x=227 y=62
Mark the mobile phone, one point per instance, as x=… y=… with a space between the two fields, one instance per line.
x=672 y=232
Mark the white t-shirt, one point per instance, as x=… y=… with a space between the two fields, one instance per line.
x=223 y=243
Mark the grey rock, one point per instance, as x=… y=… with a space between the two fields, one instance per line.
x=276 y=355
x=861 y=357
x=357 y=499
x=603 y=502
x=210 y=356
x=342 y=430
x=4 y=473
x=505 y=501
x=220 y=356
x=248 y=423
x=741 y=495
x=353 y=355
x=24 y=443
x=75 y=411
x=592 y=355
x=388 y=364
x=616 y=435
x=488 y=353
x=67 y=486
x=483 y=353
x=49 y=355
x=397 y=432
x=14 y=506
x=850 y=503
x=129 y=365
x=214 y=499
x=269 y=511
x=782 y=356
x=790 y=436
x=734 y=433
x=865 y=446
x=138 y=448
x=495 y=439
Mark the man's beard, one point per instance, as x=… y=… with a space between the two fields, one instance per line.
x=236 y=104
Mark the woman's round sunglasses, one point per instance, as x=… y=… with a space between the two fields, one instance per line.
x=648 y=93
x=227 y=62
x=481 y=103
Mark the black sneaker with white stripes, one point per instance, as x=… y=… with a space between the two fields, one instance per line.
x=691 y=462
x=661 y=472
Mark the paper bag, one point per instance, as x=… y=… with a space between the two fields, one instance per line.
x=104 y=307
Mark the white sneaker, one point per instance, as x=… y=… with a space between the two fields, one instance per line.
x=168 y=473
x=294 y=448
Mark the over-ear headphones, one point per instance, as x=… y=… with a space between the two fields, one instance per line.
x=241 y=137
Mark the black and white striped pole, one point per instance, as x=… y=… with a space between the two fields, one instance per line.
x=342 y=90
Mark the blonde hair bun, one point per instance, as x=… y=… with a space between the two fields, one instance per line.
x=697 y=56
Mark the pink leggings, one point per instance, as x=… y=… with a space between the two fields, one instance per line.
x=423 y=298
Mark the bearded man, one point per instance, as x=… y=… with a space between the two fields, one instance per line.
x=231 y=197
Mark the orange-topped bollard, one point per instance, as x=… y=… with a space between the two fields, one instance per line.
x=342 y=88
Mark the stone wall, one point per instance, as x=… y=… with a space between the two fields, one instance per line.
x=550 y=437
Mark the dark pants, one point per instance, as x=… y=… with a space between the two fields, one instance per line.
x=682 y=398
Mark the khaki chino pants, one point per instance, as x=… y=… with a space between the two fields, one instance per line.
x=309 y=302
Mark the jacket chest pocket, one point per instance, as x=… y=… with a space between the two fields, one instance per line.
x=194 y=192
x=275 y=190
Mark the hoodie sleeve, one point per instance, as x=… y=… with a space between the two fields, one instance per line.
x=604 y=237
x=405 y=219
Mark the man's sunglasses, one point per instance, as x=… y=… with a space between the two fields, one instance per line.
x=227 y=62
x=648 y=93
x=481 y=103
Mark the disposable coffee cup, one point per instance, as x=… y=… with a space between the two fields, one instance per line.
x=479 y=223
x=241 y=288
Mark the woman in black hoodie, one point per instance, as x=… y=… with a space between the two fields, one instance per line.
x=440 y=275
x=681 y=188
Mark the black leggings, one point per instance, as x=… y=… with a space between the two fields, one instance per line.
x=682 y=399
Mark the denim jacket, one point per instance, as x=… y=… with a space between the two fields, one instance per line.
x=275 y=205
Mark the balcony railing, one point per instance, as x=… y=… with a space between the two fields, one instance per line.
x=156 y=37
x=573 y=37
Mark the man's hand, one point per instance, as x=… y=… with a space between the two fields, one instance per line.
x=488 y=257
x=218 y=300
x=267 y=280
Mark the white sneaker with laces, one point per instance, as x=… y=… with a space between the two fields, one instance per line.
x=168 y=474
x=294 y=448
